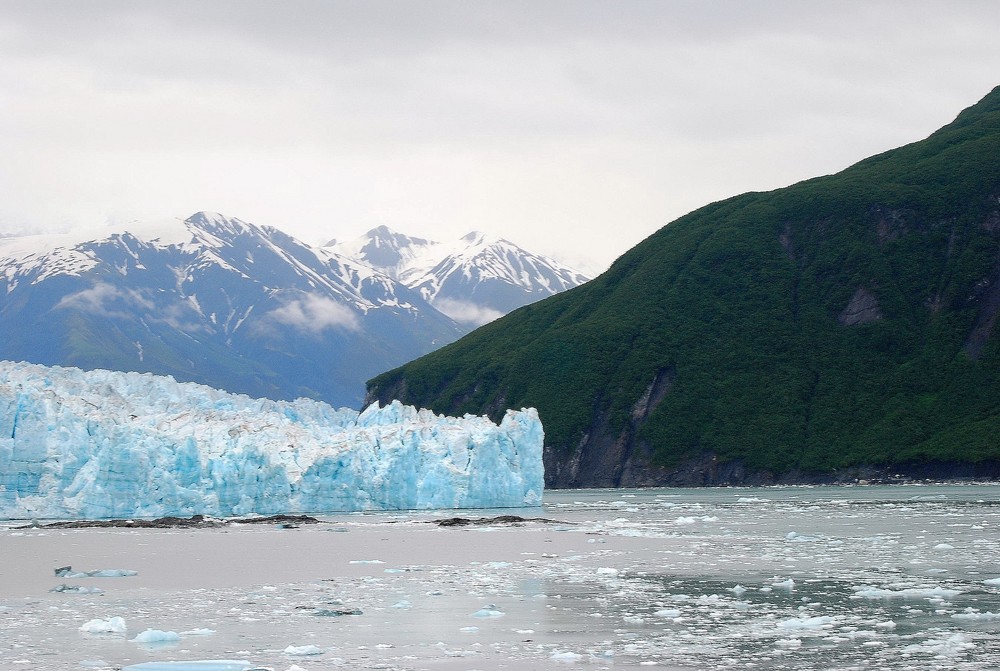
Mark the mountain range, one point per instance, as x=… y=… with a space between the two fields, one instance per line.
x=841 y=328
x=222 y=302
x=474 y=279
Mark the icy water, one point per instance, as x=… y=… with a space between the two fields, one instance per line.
x=903 y=577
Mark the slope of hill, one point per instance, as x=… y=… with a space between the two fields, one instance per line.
x=806 y=334
x=473 y=280
x=213 y=300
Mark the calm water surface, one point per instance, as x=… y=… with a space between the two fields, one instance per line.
x=902 y=577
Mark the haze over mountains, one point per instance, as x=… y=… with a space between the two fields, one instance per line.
x=222 y=302
x=841 y=327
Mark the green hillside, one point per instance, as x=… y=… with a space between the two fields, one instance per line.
x=844 y=321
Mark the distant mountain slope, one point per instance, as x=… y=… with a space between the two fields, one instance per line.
x=806 y=333
x=385 y=250
x=473 y=280
x=216 y=300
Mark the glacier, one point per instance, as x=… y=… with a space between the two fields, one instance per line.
x=103 y=444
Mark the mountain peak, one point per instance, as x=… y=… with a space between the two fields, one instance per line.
x=383 y=249
x=381 y=231
x=989 y=104
x=218 y=224
x=480 y=238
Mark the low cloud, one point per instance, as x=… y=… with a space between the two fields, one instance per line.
x=466 y=312
x=314 y=314
x=106 y=300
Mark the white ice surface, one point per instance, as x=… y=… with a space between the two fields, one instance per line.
x=103 y=444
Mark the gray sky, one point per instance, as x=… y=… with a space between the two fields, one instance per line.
x=573 y=128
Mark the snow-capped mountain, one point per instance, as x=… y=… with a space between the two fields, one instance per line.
x=473 y=280
x=385 y=250
x=213 y=300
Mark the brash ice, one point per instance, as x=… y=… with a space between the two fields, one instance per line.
x=101 y=444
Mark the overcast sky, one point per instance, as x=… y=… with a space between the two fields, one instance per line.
x=573 y=128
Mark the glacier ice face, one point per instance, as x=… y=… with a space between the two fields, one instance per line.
x=102 y=444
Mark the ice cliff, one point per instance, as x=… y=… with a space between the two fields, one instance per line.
x=104 y=444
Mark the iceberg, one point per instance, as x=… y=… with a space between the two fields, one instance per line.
x=114 y=625
x=103 y=444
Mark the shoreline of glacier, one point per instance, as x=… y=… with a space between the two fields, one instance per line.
x=103 y=444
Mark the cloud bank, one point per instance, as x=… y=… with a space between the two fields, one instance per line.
x=574 y=128
x=314 y=314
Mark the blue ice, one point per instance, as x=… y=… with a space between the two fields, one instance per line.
x=102 y=444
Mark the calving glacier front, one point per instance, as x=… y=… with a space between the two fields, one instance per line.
x=108 y=444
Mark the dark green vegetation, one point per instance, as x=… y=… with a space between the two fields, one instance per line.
x=839 y=326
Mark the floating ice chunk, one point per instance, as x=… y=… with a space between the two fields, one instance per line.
x=367 y=561
x=68 y=572
x=943 y=547
x=738 y=590
x=788 y=643
x=684 y=520
x=114 y=625
x=403 y=605
x=566 y=657
x=992 y=581
x=888 y=624
x=923 y=592
x=76 y=589
x=798 y=623
x=154 y=636
x=469 y=630
x=796 y=537
x=973 y=616
x=490 y=610
x=198 y=632
x=197 y=665
x=607 y=570
x=667 y=612
x=943 y=647
x=112 y=573
x=303 y=650
x=784 y=584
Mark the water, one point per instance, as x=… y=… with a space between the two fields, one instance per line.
x=774 y=578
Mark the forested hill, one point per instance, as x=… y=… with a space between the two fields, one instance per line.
x=802 y=334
